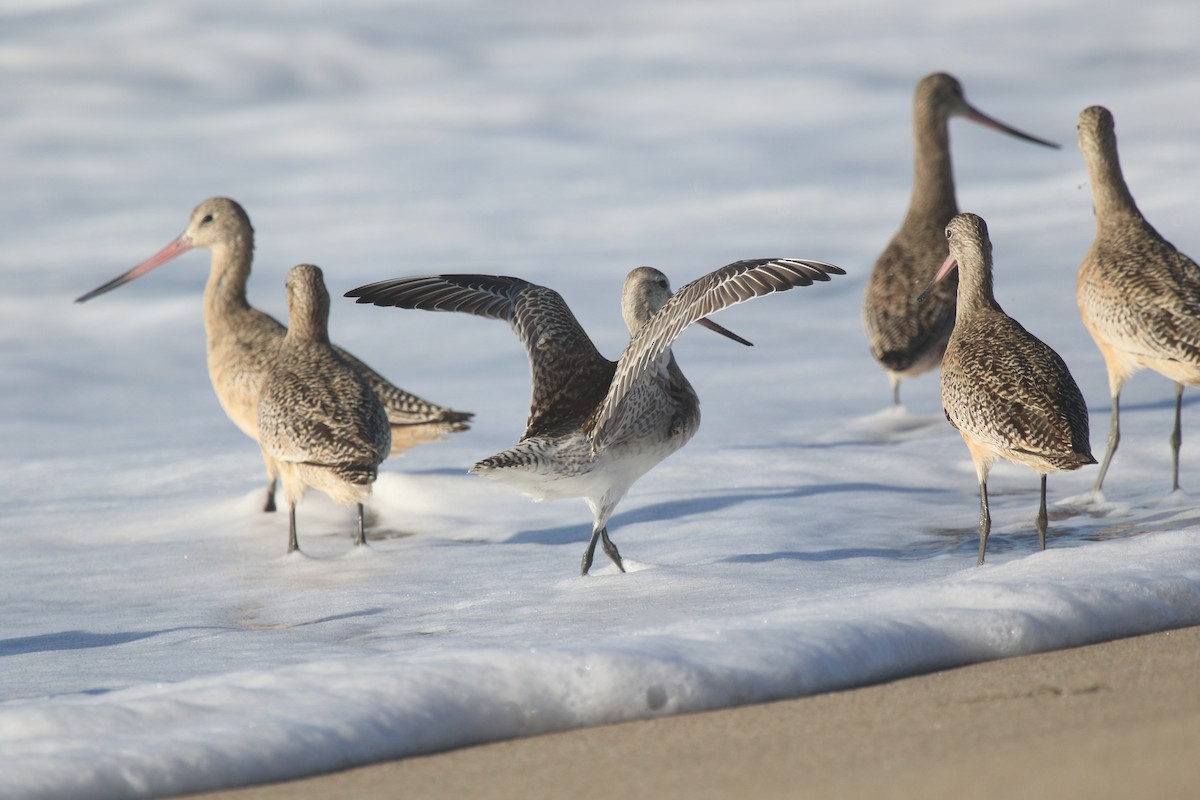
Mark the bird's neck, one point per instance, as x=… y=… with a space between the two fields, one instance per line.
x=933 y=176
x=305 y=326
x=225 y=293
x=975 y=290
x=1114 y=204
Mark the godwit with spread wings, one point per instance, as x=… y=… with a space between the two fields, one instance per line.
x=595 y=426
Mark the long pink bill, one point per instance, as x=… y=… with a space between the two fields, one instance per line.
x=945 y=269
x=712 y=326
x=174 y=249
x=975 y=115
x=950 y=263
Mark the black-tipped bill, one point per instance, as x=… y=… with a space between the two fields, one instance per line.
x=175 y=248
x=712 y=326
x=975 y=115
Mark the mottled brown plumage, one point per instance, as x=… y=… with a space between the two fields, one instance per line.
x=243 y=342
x=1139 y=297
x=596 y=426
x=907 y=323
x=1006 y=391
x=319 y=420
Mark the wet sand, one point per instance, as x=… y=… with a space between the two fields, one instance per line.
x=1114 y=720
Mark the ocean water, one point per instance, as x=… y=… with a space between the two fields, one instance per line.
x=154 y=637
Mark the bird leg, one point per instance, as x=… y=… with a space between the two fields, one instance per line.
x=1041 y=517
x=1114 y=438
x=293 y=544
x=600 y=532
x=895 y=381
x=611 y=549
x=270 y=506
x=589 y=552
x=985 y=521
x=1176 y=437
x=362 y=531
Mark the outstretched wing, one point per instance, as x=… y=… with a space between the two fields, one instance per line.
x=732 y=284
x=569 y=375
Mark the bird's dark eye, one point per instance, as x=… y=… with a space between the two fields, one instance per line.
x=948 y=234
x=207 y=219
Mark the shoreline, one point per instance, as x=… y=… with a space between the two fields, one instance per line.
x=1115 y=719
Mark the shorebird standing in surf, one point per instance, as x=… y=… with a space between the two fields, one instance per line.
x=1006 y=391
x=595 y=426
x=1139 y=297
x=319 y=420
x=243 y=342
x=907 y=325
